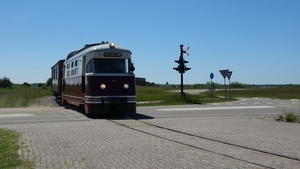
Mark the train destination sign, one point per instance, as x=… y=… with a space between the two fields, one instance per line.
x=112 y=54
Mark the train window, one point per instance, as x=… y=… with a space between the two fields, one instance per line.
x=98 y=65
x=118 y=66
x=90 y=66
x=76 y=71
x=110 y=65
x=55 y=73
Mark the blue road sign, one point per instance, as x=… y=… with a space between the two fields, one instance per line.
x=211 y=75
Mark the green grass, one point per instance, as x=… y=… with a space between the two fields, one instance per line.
x=9 y=146
x=21 y=96
x=166 y=97
x=273 y=93
x=291 y=117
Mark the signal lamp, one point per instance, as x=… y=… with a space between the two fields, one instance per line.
x=112 y=45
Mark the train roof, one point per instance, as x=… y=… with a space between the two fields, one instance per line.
x=97 y=46
x=60 y=62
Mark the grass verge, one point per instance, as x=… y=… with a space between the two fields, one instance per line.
x=21 y=96
x=165 y=97
x=273 y=93
x=9 y=146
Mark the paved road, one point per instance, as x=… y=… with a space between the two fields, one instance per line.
x=39 y=115
x=197 y=91
x=203 y=138
x=256 y=106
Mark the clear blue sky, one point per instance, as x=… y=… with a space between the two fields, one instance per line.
x=259 y=40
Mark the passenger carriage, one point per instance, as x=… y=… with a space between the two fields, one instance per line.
x=57 y=75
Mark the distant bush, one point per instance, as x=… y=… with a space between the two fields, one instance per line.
x=5 y=83
x=26 y=84
x=237 y=85
x=41 y=84
x=199 y=86
x=49 y=82
x=213 y=85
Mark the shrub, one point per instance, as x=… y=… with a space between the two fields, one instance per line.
x=290 y=117
x=25 y=84
x=213 y=85
x=49 y=82
x=5 y=83
x=40 y=84
x=237 y=85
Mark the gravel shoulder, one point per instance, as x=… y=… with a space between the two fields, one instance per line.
x=48 y=101
x=39 y=105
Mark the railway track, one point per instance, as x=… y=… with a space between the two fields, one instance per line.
x=254 y=156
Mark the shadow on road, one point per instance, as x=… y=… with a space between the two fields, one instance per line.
x=112 y=116
x=134 y=116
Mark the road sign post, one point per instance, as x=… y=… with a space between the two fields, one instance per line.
x=229 y=73
x=211 y=77
x=224 y=74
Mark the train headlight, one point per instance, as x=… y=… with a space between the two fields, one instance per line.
x=102 y=86
x=126 y=86
x=112 y=45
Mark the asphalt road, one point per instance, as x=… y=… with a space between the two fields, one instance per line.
x=255 y=106
x=39 y=114
x=263 y=108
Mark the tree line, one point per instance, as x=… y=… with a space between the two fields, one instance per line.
x=6 y=83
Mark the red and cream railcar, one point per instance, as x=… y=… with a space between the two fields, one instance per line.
x=100 y=77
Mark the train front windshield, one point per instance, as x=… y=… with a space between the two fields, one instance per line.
x=97 y=65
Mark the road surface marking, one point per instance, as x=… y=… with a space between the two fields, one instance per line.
x=16 y=115
x=214 y=108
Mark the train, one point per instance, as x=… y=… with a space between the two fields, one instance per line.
x=100 y=77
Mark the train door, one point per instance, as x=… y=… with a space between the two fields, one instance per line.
x=83 y=74
x=63 y=78
x=60 y=76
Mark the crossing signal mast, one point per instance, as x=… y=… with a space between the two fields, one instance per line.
x=181 y=68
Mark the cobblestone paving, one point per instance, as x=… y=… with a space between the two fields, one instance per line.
x=280 y=137
x=245 y=131
x=100 y=143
